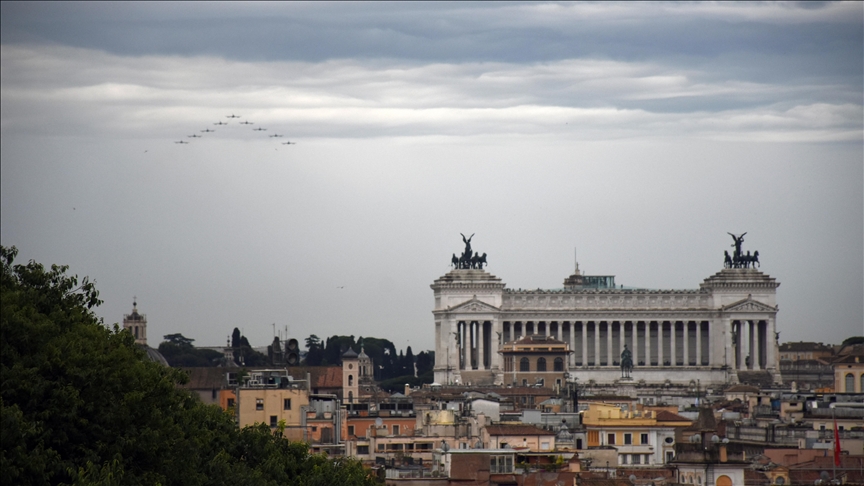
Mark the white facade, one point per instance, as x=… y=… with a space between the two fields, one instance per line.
x=714 y=333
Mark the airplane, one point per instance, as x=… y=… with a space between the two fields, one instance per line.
x=220 y=123
x=181 y=141
x=207 y=130
x=194 y=136
x=232 y=115
x=289 y=143
x=276 y=135
x=246 y=123
x=259 y=129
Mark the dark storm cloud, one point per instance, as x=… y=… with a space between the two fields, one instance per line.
x=443 y=32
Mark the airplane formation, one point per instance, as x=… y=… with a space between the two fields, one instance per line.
x=244 y=122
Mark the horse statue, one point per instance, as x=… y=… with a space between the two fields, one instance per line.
x=454 y=261
x=727 y=260
x=477 y=261
x=626 y=362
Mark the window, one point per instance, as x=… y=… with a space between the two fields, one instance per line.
x=821 y=426
x=523 y=365
x=610 y=439
x=286 y=404
x=544 y=446
x=350 y=380
x=623 y=459
x=559 y=364
x=363 y=449
x=395 y=430
x=628 y=439
x=643 y=439
x=350 y=430
x=215 y=394
x=259 y=404
x=541 y=364
x=501 y=464
x=230 y=402
x=850 y=383
x=637 y=458
x=670 y=456
x=274 y=421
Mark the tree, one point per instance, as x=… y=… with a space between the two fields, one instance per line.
x=315 y=355
x=178 y=340
x=80 y=404
x=853 y=340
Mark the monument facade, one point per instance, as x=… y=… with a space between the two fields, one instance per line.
x=722 y=332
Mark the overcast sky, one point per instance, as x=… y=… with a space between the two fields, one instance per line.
x=637 y=133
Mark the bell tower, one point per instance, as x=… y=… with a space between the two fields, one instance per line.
x=136 y=324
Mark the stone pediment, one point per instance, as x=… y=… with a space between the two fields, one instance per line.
x=749 y=305
x=474 y=306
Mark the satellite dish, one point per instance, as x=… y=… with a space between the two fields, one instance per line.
x=715 y=438
x=632 y=478
x=379 y=422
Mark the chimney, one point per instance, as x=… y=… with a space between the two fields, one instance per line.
x=723 y=456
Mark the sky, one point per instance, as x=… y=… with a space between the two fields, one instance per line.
x=632 y=136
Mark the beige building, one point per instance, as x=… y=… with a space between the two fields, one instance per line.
x=849 y=372
x=535 y=360
x=269 y=397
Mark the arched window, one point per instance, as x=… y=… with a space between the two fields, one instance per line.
x=850 y=383
x=724 y=481
x=523 y=365
x=559 y=364
x=541 y=364
x=350 y=380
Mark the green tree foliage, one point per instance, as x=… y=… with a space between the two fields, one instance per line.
x=244 y=355
x=425 y=362
x=315 y=354
x=336 y=346
x=853 y=340
x=185 y=355
x=80 y=404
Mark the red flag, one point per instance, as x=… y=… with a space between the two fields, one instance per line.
x=836 y=444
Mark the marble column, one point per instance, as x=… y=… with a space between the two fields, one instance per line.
x=673 y=352
x=661 y=341
x=480 y=351
x=699 y=343
x=757 y=349
x=647 y=343
x=621 y=342
x=584 y=343
x=635 y=340
x=771 y=345
x=609 y=359
x=686 y=343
